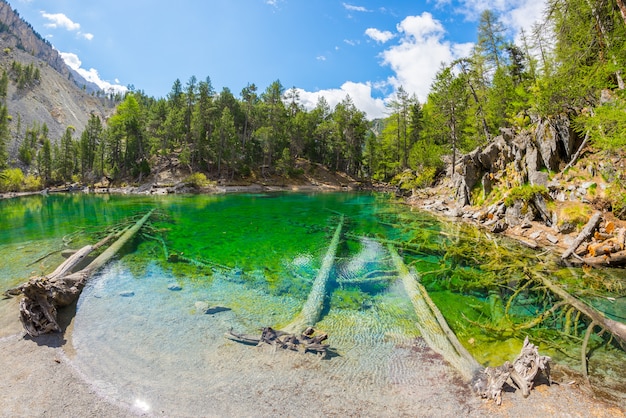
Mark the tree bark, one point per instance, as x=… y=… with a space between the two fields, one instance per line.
x=587 y=231
x=432 y=325
x=43 y=295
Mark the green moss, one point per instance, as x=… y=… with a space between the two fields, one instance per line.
x=349 y=298
x=525 y=193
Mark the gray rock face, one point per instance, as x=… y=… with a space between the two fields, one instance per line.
x=549 y=146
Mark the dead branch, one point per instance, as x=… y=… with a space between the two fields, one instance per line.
x=616 y=328
x=525 y=368
x=587 y=231
x=307 y=341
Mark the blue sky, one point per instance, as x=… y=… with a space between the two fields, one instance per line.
x=322 y=47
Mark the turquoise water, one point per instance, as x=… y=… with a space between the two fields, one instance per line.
x=141 y=334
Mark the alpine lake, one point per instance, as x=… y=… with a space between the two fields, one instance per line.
x=148 y=329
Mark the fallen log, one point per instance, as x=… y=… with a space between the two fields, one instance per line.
x=617 y=329
x=605 y=247
x=299 y=333
x=487 y=382
x=43 y=295
x=432 y=325
x=587 y=231
x=312 y=309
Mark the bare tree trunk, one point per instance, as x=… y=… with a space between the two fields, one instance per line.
x=432 y=325
x=587 y=231
x=314 y=304
x=43 y=295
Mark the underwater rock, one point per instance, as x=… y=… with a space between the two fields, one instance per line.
x=127 y=293
x=216 y=309
x=201 y=306
x=175 y=287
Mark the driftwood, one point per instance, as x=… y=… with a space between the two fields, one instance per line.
x=523 y=372
x=487 y=382
x=615 y=259
x=43 y=295
x=307 y=341
x=431 y=323
x=587 y=232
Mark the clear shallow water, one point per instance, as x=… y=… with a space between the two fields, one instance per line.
x=142 y=338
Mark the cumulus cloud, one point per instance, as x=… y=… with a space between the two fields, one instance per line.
x=360 y=93
x=91 y=75
x=420 y=50
x=59 y=20
x=418 y=56
x=378 y=35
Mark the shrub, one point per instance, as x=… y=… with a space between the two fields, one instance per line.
x=11 y=180
x=197 y=181
x=32 y=183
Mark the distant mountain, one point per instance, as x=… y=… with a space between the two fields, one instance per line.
x=59 y=98
x=17 y=33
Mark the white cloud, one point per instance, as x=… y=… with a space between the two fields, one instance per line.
x=378 y=35
x=91 y=75
x=353 y=8
x=524 y=15
x=320 y=58
x=360 y=93
x=514 y=14
x=88 y=36
x=418 y=56
x=59 y=20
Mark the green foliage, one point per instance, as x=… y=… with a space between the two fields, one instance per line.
x=606 y=125
x=525 y=193
x=25 y=75
x=11 y=180
x=198 y=181
x=409 y=180
x=617 y=196
x=32 y=183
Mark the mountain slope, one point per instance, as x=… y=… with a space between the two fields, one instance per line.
x=59 y=98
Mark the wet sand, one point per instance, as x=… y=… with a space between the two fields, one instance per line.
x=40 y=379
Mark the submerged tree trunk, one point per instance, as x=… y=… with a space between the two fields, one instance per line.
x=299 y=333
x=314 y=304
x=432 y=325
x=44 y=294
x=487 y=382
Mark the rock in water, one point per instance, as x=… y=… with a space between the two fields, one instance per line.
x=216 y=309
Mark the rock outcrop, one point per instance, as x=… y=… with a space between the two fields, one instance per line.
x=18 y=34
x=525 y=157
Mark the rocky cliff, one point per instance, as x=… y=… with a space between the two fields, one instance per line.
x=59 y=98
x=17 y=34
x=517 y=158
